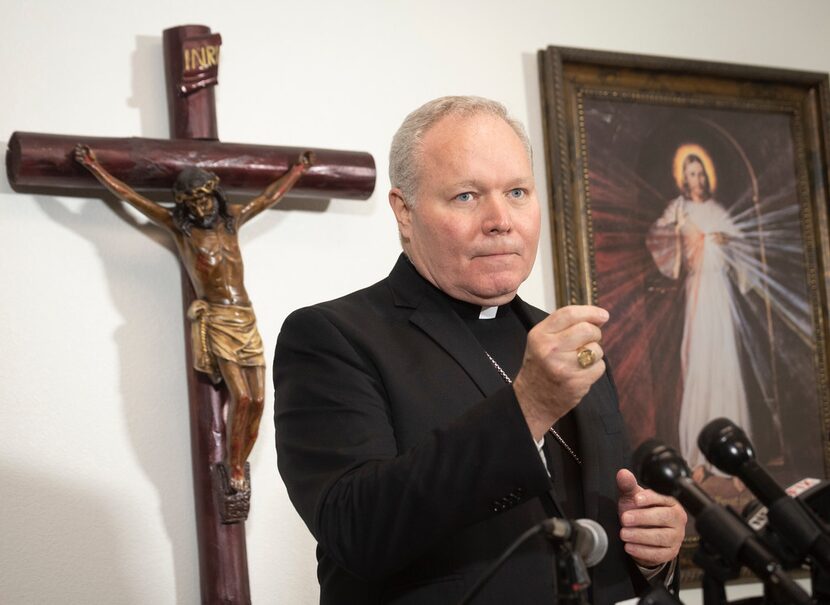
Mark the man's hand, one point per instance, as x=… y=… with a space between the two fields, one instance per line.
x=307 y=159
x=653 y=525
x=84 y=155
x=551 y=381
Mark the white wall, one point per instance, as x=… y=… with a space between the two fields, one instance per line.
x=96 y=502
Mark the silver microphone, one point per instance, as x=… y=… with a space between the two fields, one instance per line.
x=586 y=536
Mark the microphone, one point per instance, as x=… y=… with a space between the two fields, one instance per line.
x=664 y=470
x=587 y=537
x=727 y=447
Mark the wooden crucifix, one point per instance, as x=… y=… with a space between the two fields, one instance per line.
x=197 y=162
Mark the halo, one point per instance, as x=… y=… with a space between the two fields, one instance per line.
x=694 y=149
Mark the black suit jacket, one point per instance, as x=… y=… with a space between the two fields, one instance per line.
x=409 y=459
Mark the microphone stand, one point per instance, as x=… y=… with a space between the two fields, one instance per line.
x=717 y=571
x=570 y=576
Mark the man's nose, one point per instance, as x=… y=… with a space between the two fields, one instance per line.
x=496 y=217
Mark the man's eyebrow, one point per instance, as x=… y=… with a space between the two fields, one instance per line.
x=468 y=184
x=522 y=181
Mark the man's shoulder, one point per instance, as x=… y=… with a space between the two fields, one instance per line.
x=355 y=307
x=392 y=296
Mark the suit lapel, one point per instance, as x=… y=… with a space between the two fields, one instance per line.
x=550 y=443
x=440 y=322
x=529 y=316
x=434 y=315
x=586 y=417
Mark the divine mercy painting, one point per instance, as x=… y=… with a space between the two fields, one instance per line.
x=700 y=258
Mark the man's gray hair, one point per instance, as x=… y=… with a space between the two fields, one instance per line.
x=404 y=155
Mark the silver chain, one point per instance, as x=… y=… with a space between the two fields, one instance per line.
x=551 y=430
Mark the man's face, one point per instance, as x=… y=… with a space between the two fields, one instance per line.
x=202 y=207
x=696 y=181
x=474 y=229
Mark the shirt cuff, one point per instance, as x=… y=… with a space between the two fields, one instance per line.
x=539 y=445
x=649 y=573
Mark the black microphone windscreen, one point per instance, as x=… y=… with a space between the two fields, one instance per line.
x=659 y=467
x=725 y=445
x=643 y=453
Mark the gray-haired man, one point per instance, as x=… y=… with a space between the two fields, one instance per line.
x=425 y=422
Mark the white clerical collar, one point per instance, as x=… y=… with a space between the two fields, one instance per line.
x=488 y=312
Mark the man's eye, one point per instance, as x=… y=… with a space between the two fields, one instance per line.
x=517 y=193
x=464 y=197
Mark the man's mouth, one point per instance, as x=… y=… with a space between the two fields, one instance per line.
x=492 y=254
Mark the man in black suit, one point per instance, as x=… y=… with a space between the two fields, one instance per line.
x=425 y=422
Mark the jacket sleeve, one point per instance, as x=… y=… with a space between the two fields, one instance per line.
x=372 y=508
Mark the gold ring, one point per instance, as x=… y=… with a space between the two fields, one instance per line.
x=586 y=357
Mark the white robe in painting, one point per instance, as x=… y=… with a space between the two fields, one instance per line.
x=697 y=235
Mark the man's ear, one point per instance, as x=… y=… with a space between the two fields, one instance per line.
x=403 y=214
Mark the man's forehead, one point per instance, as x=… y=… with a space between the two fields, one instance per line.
x=459 y=134
x=459 y=144
x=466 y=123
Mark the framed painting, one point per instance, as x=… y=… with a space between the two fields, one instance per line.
x=690 y=200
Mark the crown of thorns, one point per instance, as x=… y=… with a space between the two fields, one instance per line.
x=205 y=189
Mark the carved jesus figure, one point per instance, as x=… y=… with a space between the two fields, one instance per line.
x=226 y=343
